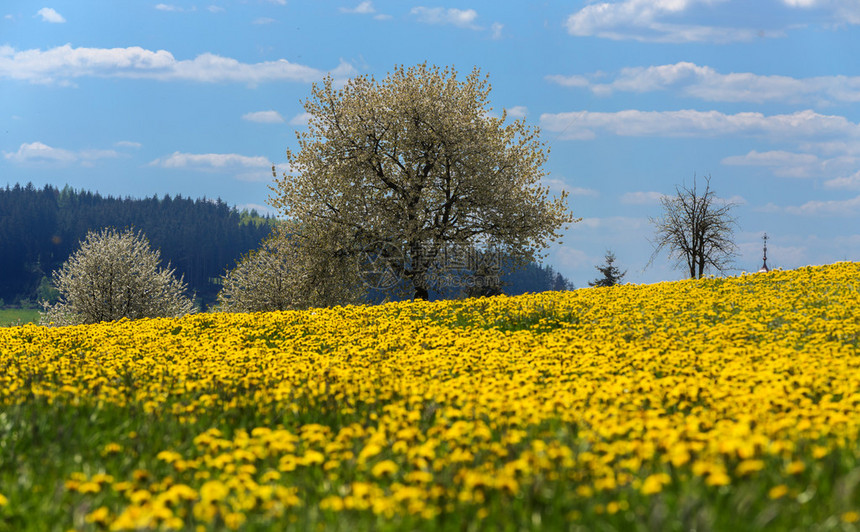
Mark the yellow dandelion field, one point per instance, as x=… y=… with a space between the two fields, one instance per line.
x=717 y=404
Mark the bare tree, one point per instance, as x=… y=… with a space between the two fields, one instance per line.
x=115 y=275
x=697 y=229
x=398 y=170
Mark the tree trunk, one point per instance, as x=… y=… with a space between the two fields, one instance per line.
x=421 y=293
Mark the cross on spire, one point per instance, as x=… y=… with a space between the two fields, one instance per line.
x=764 y=268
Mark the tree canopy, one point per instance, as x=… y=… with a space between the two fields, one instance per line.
x=400 y=171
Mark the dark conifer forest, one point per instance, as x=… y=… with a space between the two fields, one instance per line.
x=41 y=227
x=201 y=238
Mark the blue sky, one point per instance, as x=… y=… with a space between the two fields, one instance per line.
x=632 y=97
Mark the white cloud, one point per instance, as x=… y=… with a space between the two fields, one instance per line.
x=581 y=191
x=211 y=161
x=302 y=119
x=801 y=125
x=517 y=111
x=650 y=21
x=497 y=28
x=771 y=158
x=850 y=182
x=705 y=83
x=569 y=257
x=570 y=81
x=364 y=8
x=40 y=153
x=37 y=152
x=242 y=167
x=841 y=11
x=642 y=198
x=849 y=207
x=733 y=200
x=128 y=144
x=215 y=9
x=675 y=21
x=463 y=18
x=801 y=165
x=614 y=224
x=557 y=185
x=168 y=7
x=64 y=63
x=264 y=117
x=50 y=15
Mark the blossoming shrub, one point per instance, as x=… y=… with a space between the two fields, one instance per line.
x=726 y=404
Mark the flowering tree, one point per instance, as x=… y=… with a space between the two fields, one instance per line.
x=115 y=275
x=397 y=170
x=280 y=276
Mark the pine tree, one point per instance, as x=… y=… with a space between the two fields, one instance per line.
x=611 y=274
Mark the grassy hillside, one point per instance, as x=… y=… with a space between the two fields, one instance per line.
x=719 y=404
x=14 y=316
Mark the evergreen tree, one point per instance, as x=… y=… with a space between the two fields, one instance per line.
x=611 y=274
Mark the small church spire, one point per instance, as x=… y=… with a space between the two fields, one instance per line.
x=764 y=268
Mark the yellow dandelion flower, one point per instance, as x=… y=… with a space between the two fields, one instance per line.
x=332 y=502
x=89 y=487
x=140 y=496
x=777 y=492
x=100 y=515
x=386 y=467
x=169 y=456
x=718 y=478
x=312 y=457
x=183 y=491
x=204 y=511
x=369 y=451
x=795 y=467
x=213 y=490
x=654 y=483
x=234 y=520
x=102 y=478
x=851 y=517
x=111 y=448
x=270 y=476
x=122 y=486
x=584 y=491
x=749 y=466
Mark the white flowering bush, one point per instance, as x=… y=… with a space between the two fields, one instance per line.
x=113 y=275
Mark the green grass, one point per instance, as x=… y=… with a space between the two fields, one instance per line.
x=18 y=316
